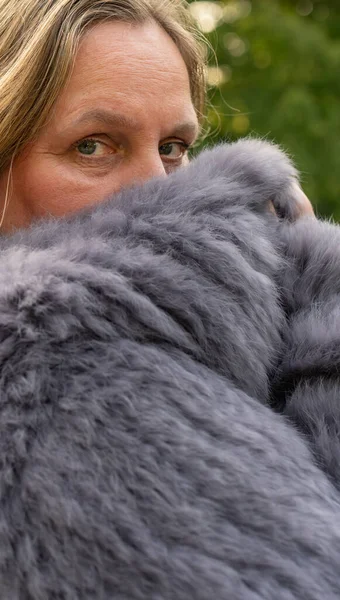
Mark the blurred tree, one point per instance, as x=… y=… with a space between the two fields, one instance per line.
x=278 y=76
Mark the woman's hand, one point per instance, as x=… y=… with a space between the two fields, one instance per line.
x=297 y=205
x=303 y=205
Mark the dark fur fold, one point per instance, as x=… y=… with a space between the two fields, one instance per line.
x=143 y=451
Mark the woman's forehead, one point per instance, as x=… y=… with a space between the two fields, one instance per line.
x=128 y=68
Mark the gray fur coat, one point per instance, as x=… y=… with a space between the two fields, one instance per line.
x=170 y=394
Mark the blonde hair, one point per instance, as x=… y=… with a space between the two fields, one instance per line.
x=38 y=45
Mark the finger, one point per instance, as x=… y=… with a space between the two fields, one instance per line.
x=303 y=206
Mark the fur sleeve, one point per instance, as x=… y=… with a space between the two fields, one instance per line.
x=139 y=459
x=307 y=384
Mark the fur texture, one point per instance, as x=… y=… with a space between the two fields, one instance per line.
x=307 y=384
x=139 y=457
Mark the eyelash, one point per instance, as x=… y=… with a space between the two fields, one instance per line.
x=184 y=145
x=88 y=158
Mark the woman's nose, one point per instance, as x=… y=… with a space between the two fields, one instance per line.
x=148 y=167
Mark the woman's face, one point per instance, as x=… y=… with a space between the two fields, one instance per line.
x=125 y=116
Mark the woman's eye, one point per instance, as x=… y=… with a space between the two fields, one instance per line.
x=91 y=147
x=173 y=150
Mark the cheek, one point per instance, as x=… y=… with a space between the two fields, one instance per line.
x=46 y=186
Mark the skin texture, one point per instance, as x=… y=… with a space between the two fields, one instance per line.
x=134 y=74
x=303 y=205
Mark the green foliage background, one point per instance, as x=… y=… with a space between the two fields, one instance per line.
x=279 y=77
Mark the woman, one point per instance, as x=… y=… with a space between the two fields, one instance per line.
x=123 y=107
x=114 y=95
x=139 y=455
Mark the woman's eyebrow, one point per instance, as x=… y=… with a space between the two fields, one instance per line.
x=189 y=128
x=107 y=118
x=113 y=119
